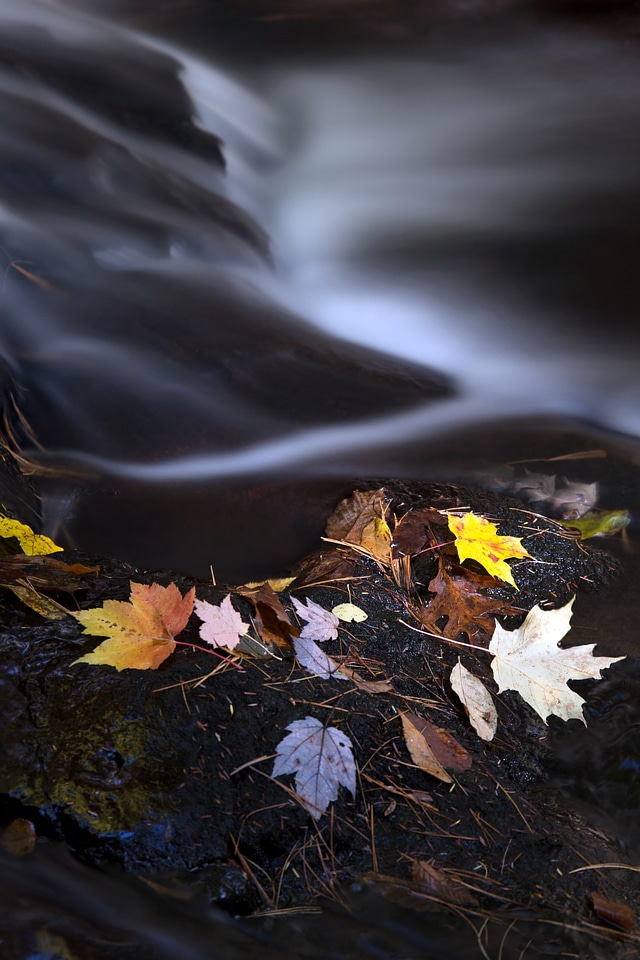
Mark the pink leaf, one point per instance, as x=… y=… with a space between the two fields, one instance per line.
x=222 y=625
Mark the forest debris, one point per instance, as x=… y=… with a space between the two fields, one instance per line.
x=440 y=883
x=476 y=700
x=376 y=540
x=141 y=631
x=321 y=759
x=432 y=748
x=222 y=625
x=478 y=539
x=530 y=661
x=37 y=601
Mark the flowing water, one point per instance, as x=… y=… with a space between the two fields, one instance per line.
x=237 y=274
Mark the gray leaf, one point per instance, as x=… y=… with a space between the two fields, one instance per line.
x=315 y=660
x=321 y=759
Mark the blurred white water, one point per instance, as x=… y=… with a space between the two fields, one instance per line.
x=466 y=207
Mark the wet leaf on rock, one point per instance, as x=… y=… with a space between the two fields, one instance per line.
x=349 y=613
x=478 y=539
x=352 y=515
x=476 y=700
x=315 y=660
x=141 y=631
x=271 y=619
x=460 y=596
x=530 y=661
x=321 y=758
x=321 y=624
x=222 y=625
x=33 y=544
x=432 y=748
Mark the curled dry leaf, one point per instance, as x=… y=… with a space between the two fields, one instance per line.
x=530 y=661
x=140 y=632
x=354 y=514
x=321 y=758
x=321 y=624
x=432 y=748
x=478 y=539
x=222 y=625
x=271 y=619
x=476 y=700
x=315 y=660
x=276 y=583
x=376 y=540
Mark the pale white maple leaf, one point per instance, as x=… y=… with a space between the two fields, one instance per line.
x=321 y=759
x=530 y=661
x=322 y=624
x=315 y=660
x=476 y=700
x=222 y=625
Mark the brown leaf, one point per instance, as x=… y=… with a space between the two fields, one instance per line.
x=272 y=621
x=616 y=914
x=418 y=530
x=46 y=573
x=351 y=516
x=376 y=540
x=437 y=882
x=459 y=596
x=432 y=748
x=43 y=605
x=324 y=566
x=368 y=686
x=19 y=837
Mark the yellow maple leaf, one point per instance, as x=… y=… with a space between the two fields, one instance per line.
x=33 y=544
x=141 y=631
x=478 y=539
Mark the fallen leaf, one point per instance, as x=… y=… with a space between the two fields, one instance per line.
x=476 y=700
x=349 y=613
x=440 y=883
x=376 y=540
x=45 y=606
x=619 y=915
x=315 y=660
x=222 y=625
x=433 y=749
x=46 y=573
x=530 y=661
x=574 y=499
x=321 y=759
x=352 y=515
x=140 y=631
x=321 y=624
x=599 y=523
x=33 y=544
x=460 y=596
x=276 y=583
x=19 y=837
x=478 y=539
x=271 y=621
x=418 y=530
x=324 y=566
x=371 y=686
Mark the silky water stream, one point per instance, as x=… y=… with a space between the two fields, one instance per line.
x=237 y=276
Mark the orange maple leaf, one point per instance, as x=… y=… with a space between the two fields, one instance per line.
x=478 y=539
x=141 y=631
